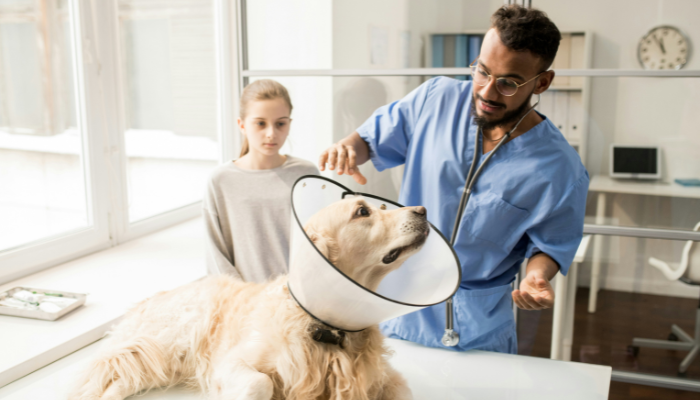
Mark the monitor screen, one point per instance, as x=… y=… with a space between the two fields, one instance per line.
x=635 y=160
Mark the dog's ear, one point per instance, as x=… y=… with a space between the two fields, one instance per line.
x=325 y=244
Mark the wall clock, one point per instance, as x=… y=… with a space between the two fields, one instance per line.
x=663 y=47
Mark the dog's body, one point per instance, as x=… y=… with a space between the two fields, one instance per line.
x=240 y=340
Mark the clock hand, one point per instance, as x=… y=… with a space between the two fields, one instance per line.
x=661 y=45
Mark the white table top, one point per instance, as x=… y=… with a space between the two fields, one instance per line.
x=431 y=373
x=606 y=184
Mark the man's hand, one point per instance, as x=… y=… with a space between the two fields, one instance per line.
x=346 y=155
x=536 y=292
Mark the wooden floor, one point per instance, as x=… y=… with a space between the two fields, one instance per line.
x=603 y=337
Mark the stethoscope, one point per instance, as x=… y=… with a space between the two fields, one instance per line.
x=451 y=338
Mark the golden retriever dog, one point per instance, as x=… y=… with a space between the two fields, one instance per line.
x=238 y=340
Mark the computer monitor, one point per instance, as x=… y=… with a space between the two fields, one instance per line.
x=641 y=162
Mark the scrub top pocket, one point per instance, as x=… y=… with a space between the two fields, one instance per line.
x=490 y=218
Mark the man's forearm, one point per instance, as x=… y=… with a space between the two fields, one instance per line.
x=542 y=264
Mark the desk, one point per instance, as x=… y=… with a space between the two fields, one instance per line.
x=603 y=185
x=431 y=374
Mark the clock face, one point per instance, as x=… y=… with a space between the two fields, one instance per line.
x=664 y=47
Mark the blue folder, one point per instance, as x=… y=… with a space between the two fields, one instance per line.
x=474 y=46
x=688 y=182
x=461 y=50
x=438 y=51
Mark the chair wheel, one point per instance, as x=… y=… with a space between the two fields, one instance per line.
x=633 y=350
x=672 y=337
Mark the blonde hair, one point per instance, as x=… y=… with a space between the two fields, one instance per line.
x=264 y=89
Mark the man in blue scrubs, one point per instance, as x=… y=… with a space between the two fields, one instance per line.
x=528 y=202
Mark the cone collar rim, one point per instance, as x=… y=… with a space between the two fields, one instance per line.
x=348 y=191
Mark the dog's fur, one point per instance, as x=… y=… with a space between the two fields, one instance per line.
x=240 y=340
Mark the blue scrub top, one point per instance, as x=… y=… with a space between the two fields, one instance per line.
x=529 y=198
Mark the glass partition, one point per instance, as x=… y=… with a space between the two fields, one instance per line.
x=621 y=294
x=397 y=34
x=637 y=306
x=657 y=115
x=326 y=109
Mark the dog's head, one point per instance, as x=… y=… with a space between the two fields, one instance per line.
x=365 y=242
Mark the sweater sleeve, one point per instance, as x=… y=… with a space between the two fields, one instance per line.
x=219 y=259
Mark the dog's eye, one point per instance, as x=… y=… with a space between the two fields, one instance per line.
x=362 y=212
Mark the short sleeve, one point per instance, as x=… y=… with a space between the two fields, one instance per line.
x=559 y=234
x=389 y=130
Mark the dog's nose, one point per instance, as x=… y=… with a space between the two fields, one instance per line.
x=420 y=210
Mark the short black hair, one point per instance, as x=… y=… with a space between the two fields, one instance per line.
x=527 y=29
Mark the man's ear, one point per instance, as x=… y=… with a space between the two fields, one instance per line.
x=325 y=244
x=544 y=81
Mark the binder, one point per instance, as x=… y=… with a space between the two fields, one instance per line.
x=562 y=61
x=461 y=51
x=560 y=117
x=438 y=51
x=448 y=60
x=575 y=120
x=546 y=106
x=576 y=59
x=474 y=47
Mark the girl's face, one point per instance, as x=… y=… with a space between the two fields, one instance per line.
x=266 y=126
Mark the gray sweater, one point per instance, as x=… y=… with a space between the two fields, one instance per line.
x=247 y=214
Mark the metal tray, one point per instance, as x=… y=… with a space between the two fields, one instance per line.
x=39 y=314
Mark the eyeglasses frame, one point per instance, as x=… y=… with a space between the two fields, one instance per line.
x=473 y=66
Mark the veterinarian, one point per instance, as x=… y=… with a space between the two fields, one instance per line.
x=528 y=202
x=246 y=205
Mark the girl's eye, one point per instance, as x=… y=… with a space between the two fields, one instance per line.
x=362 y=212
x=281 y=124
x=260 y=123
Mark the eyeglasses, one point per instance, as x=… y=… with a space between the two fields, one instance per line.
x=505 y=86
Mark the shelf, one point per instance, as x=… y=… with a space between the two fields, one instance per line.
x=569 y=88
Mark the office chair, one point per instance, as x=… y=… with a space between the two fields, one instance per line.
x=688 y=271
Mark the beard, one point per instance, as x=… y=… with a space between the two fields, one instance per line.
x=507 y=119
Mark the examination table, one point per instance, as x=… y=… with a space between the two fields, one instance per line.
x=431 y=374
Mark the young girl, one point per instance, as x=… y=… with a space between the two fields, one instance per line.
x=247 y=207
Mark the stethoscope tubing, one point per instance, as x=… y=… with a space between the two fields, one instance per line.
x=466 y=193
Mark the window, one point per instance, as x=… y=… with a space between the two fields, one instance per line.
x=170 y=102
x=42 y=152
x=111 y=119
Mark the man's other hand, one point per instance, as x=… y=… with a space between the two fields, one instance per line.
x=535 y=292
